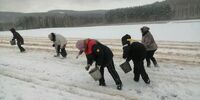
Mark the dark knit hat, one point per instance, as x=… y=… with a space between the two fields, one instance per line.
x=124 y=39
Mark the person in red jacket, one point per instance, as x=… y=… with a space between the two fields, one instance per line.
x=102 y=55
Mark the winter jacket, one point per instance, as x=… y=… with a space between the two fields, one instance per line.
x=135 y=51
x=99 y=53
x=58 y=40
x=18 y=37
x=149 y=42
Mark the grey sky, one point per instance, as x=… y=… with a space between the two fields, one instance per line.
x=46 y=5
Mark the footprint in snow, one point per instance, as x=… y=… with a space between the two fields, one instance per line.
x=138 y=91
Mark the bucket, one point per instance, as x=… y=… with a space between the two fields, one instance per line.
x=12 y=42
x=126 y=67
x=95 y=73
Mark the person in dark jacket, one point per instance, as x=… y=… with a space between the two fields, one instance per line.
x=59 y=42
x=135 y=51
x=150 y=44
x=102 y=55
x=19 y=38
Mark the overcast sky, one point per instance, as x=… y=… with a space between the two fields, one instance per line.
x=46 y=5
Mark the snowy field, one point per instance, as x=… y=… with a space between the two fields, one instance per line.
x=183 y=30
x=37 y=75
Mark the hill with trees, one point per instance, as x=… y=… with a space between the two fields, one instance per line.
x=158 y=11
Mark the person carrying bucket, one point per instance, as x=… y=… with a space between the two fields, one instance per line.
x=135 y=51
x=19 y=38
x=102 y=55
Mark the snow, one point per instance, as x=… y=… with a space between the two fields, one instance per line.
x=37 y=75
x=184 y=30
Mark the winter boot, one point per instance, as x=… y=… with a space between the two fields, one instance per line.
x=147 y=81
x=119 y=86
x=102 y=84
x=22 y=50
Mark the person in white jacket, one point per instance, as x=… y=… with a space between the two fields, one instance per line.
x=59 y=42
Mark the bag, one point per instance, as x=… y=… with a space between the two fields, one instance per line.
x=12 y=42
x=126 y=67
x=95 y=73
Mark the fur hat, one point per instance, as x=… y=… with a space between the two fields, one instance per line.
x=80 y=45
x=145 y=29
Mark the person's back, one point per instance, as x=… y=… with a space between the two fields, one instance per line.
x=148 y=41
x=60 y=40
x=137 y=51
x=16 y=35
x=106 y=52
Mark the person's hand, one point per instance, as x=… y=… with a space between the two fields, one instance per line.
x=87 y=67
x=77 y=56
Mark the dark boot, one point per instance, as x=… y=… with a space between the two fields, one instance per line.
x=102 y=84
x=63 y=52
x=22 y=49
x=147 y=81
x=119 y=86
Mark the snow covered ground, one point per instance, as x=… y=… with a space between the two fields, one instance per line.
x=183 y=30
x=37 y=75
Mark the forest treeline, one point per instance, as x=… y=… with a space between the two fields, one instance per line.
x=165 y=10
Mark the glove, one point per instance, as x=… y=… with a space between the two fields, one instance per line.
x=53 y=45
x=77 y=56
x=87 y=67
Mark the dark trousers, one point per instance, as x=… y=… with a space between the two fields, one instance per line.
x=149 y=57
x=19 y=43
x=63 y=51
x=113 y=73
x=139 y=70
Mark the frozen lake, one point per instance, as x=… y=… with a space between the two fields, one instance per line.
x=188 y=31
